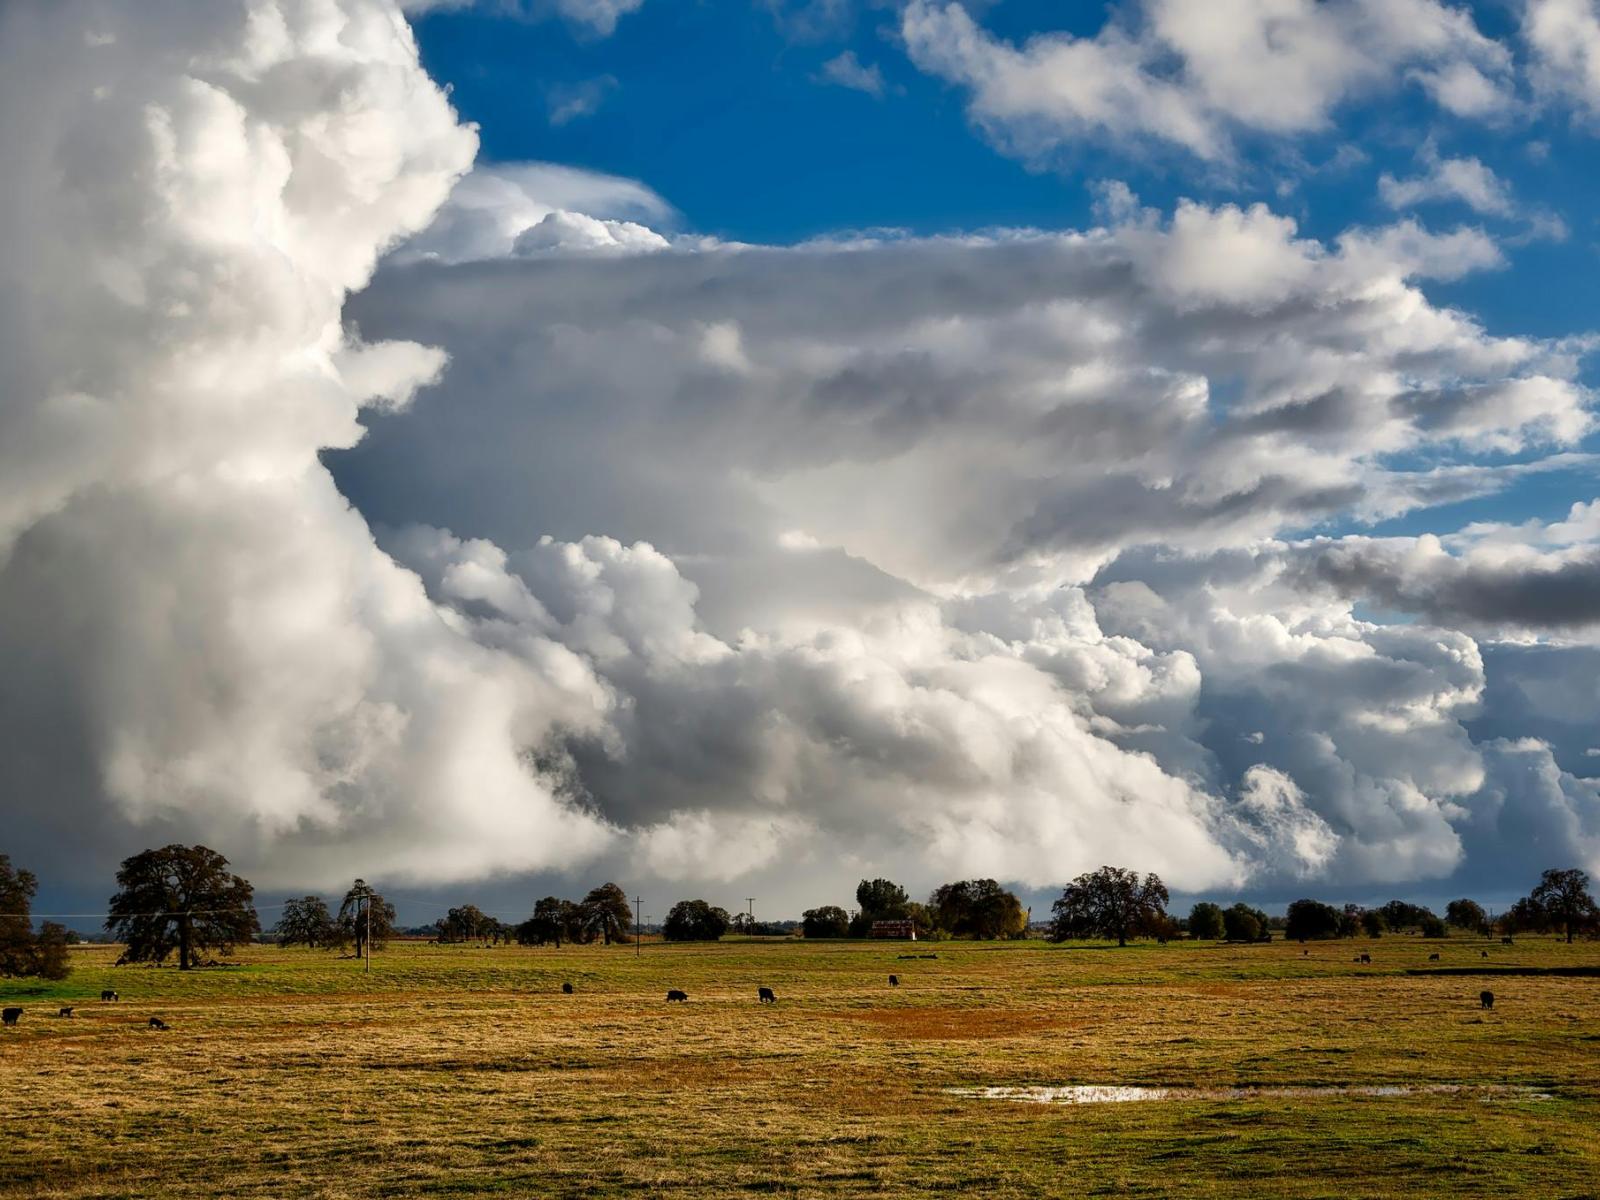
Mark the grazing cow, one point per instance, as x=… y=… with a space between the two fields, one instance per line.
x=566 y=989
x=1506 y=941
x=157 y=1023
x=675 y=994
x=766 y=995
x=108 y=994
x=1433 y=958
x=10 y=1015
x=66 y=1011
x=894 y=981
x=1367 y=958
x=1486 y=999
x=1485 y=953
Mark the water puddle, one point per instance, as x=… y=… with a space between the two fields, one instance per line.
x=1107 y=1094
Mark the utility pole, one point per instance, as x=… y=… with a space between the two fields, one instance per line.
x=369 y=933
x=638 y=925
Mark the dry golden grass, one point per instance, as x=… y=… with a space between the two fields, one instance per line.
x=466 y=1072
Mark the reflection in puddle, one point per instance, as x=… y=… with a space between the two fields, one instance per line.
x=1105 y=1094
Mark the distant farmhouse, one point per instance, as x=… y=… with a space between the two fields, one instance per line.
x=905 y=930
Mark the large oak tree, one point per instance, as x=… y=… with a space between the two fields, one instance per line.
x=180 y=898
x=1564 y=900
x=1110 y=903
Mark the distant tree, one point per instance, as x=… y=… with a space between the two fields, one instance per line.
x=1109 y=903
x=695 y=921
x=180 y=898
x=1372 y=922
x=978 y=908
x=354 y=918
x=878 y=900
x=1241 y=923
x=829 y=921
x=307 y=922
x=920 y=916
x=1563 y=898
x=1525 y=916
x=1309 y=920
x=467 y=923
x=605 y=911
x=552 y=918
x=1430 y=926
x=1467 y=915
x=1399 y=916
x=22 y=951
x=1205 y=922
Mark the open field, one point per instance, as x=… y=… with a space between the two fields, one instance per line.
x=463 y=1072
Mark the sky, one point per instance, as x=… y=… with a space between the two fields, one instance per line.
x=739 y=447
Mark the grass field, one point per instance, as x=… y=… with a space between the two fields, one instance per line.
x=464 y=1072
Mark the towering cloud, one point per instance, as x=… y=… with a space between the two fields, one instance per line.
x=200 y=635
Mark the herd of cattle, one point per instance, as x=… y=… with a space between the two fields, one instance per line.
x=10 y=1016
x=764 y=995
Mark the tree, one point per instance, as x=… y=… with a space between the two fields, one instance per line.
x=694 y=921
x=1205 y=922
x=1563 y=898
x=180 y=898
x=467 y=923
x=605 y=911
x=551 y=919
x=1110 y=903
x=23 y=952
x=1372 y=922
x=829 y=921
x=978 y=908
x=363 y=908
x=878 y=900
x=1311 y=919
x=1398 y=915
x=1241 y=923
x=307 y=922
x=1431 y=926
x=1525 y=916
x=1467 y=915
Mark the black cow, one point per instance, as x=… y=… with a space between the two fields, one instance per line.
x=66 y=1011
x=566 y=989
x=10 y=1015
x=894 y=981
x=157 y=1023
x=1485 y=953
x=1506 y=941
x=108 y=994
x=1433 y=958
x=1486 y=999
x=766 y=995
x=675 y=994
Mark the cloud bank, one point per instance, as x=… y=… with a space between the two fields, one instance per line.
x=559 y=542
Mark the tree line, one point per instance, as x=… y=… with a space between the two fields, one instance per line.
x=184 y=901
x=975 y=908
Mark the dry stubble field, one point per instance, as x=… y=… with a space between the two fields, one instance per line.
x=465 y=1072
